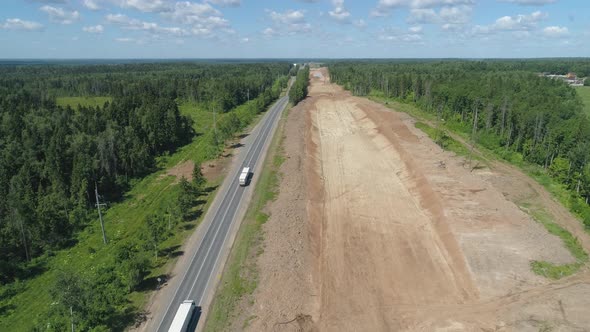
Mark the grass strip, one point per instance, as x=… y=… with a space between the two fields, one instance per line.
x=557 y=271
x=445 y=141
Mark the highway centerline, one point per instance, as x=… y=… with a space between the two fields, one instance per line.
x=212 y=234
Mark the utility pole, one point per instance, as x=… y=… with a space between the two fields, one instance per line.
x=72 y=318
x=98 y=205
x=473 y=133
x=215 y=124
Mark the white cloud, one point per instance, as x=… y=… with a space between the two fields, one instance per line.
x=245 y=40
x=456 y=15
x=190 y=13
x=60 y=15
x=515 y=24
x=519 y=22
x=204 y=20
x=153 y=28
x=339 y=13
x=530 y=2
x=145 y=5
x=288 y=17
x=91 y=4
x=225 y=3
x=125 y=40
x=18 y=24
x=269 y=32
x=293 y=21
x=416 y=29
x=52 y=1
x=412 y=35
x=555 y=31
x=446 y=16
x=423 y=16
x=384 y=7
x=436 y=3
x=93 y=29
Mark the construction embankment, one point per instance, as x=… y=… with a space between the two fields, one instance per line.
x=376 y=228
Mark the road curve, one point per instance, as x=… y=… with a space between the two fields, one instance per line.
x=197 y=281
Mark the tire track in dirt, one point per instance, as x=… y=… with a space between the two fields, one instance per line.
x=385 y=240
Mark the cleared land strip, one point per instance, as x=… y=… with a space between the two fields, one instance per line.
x=399 y=235
x=385 y=238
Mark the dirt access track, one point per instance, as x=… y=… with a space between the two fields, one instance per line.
x=391 y=241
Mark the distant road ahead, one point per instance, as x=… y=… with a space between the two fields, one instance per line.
x=198 y=281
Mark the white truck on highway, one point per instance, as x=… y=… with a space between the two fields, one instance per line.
x=184 y=317
x=244 y=176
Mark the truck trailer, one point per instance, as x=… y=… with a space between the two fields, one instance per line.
x=245 y=176
x=184 y=317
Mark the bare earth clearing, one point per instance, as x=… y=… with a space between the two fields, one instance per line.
x=369 y=234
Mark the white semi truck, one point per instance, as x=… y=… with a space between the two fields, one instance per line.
x=244 y=176
x=184 y=317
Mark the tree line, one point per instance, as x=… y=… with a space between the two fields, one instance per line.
x=514 y=111
x=299 y=89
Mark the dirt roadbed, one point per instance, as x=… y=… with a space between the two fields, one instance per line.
x=371 y=233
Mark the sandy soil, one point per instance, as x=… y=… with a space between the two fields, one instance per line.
x=370 y=234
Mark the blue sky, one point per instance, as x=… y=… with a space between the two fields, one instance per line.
x=294 y=28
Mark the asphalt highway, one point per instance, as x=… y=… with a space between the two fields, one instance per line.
x=197 y=281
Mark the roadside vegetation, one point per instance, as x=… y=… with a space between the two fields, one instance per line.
x=532 y=122
x=299 y=90
x=240 y=276
x=445 y=141
x=55 y=268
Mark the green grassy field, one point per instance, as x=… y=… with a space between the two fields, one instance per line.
x=123 y=222
x=73 y=102
x=584 y=92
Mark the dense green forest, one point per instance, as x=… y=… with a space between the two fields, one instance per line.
x=52 y=158
x=512 y=110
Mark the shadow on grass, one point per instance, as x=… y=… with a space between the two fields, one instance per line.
x=32 y=269
x=120 y=322
x=5 y=309
x=210 y=189
x=152 y=283
x=172 y=252
x=188 y=227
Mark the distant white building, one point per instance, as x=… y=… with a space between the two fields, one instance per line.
x=570 y=78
